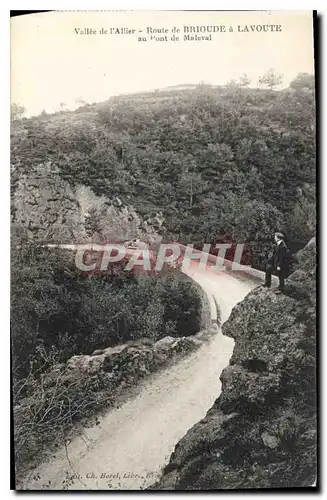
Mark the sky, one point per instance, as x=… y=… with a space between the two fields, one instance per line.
x=52 y=64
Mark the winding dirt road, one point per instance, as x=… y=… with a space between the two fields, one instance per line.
x=132 y=443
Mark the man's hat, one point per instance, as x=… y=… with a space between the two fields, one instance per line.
x=280 y=236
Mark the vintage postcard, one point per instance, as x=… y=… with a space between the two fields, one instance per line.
x=163 y=252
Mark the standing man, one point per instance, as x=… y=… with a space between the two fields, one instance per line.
x=279 y=262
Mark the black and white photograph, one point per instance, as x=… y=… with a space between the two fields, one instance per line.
x=163 y=250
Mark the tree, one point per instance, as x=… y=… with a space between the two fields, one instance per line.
x=271 y=79
x=80 y=101
x=303 y=81
x=303 y=220
x=255 y=224
x=62 y=106
x=17 y=112
x=232 y=84
x=244 y=80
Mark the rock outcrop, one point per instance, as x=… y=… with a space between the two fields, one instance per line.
x=132 y=361
x=49 y=209
x=261 y=431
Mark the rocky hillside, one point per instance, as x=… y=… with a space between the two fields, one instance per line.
x=261 y=431
x=181 y=154
x=47 y=208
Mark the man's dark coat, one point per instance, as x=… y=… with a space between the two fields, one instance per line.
x=279 y=256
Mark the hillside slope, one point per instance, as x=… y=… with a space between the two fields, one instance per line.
x=261 y=431
x=212 y=162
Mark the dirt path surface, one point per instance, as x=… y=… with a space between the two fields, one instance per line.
x=132 y=443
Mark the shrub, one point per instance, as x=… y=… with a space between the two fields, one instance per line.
x=56 y=308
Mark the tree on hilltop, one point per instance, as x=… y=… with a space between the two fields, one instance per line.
x=271 y=79
x=244 y=80
x=303 y=81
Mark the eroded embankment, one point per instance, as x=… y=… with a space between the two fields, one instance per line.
x=261 y=431
x=131 y=444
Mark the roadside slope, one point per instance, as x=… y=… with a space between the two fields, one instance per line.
x=261 y=430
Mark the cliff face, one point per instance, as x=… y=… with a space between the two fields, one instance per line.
x=261 y=431
x=48 y=208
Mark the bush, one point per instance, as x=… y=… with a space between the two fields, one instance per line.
x=55 y=308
